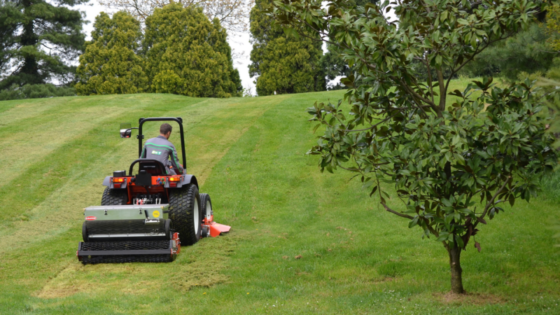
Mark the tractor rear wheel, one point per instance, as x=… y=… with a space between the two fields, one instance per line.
x=185 y=213
x=114 y=197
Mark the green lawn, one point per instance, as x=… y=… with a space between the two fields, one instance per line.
x=301 y=241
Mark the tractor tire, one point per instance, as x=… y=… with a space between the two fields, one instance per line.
x=185 y=214
x=114 y=197
x=206 y=205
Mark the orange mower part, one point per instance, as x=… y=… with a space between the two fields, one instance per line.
x=215 y=229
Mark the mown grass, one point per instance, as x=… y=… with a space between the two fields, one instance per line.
x=301 y=241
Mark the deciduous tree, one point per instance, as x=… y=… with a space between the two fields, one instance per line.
x=189 y=55
x=231 y=13
x=453 y=157
x=111 y=64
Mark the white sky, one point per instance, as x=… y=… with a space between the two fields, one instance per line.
x=239 y=43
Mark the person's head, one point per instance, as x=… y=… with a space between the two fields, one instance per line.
x=165 y=130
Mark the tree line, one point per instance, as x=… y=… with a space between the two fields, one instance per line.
x=284 y=63
x=180 y=51
x=158 y=46
x=175 y=47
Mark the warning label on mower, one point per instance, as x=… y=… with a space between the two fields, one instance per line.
x=155 y=214
x=91 y=218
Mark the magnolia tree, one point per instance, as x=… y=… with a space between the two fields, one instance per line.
x=452 y=156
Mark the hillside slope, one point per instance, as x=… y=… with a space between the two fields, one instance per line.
x=301 y=241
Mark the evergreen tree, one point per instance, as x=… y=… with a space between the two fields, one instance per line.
x=189 y=55
x=526 y=51
x=38 y=41
x=283 y=64
x=110 y=64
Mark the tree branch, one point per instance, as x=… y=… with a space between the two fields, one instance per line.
x=442 y=90
x=455 y=71
x=414 y=94
x=429 y=227
x=491 y=202
x=395 y=212
x=429 y=78
x=371 y=127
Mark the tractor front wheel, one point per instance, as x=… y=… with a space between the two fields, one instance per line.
x=185 y=213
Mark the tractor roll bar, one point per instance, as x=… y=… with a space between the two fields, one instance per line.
x=161 y=167
x=178 y=120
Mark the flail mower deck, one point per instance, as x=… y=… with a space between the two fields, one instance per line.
x=148 y=216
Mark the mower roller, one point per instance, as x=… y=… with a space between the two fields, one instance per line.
x=148 y=216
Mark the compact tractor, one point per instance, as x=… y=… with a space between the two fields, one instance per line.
x=146 y=217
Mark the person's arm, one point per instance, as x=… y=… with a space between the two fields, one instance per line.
x=175 y=160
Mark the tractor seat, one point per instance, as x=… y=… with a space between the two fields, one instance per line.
x=153 y=167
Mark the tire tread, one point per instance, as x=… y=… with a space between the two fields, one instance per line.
x=114 y=197
x=181 y=207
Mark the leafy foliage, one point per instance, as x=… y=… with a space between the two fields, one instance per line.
x=332 y=61
x=284 y=64
x=526 y=51
x=334 y=65
x=38 y=41
x=231 y=13
x=553 y=26
x=110 y=64
x=452 y=166
x=35 y=91
x=189 y=55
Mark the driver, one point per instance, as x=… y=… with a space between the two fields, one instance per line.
x=161 y=149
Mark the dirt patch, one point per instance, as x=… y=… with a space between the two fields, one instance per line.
x=468 y=298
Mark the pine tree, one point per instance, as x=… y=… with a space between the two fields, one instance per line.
x=189 y=55
x=38 y=41
x=110 y=64
x=283 y=64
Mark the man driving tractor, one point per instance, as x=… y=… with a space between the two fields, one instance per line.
x=161 y=149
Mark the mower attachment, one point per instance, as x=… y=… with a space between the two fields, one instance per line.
x=129 y=251
x=214 y=229
x=131 y=233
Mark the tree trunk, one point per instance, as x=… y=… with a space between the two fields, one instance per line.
x=456 y=271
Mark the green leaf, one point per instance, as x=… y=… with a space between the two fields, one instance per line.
x=511 y=199
x=456 y=140
x=373 y=191
x=443 y=236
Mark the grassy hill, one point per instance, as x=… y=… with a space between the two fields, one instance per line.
x=301 y=241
